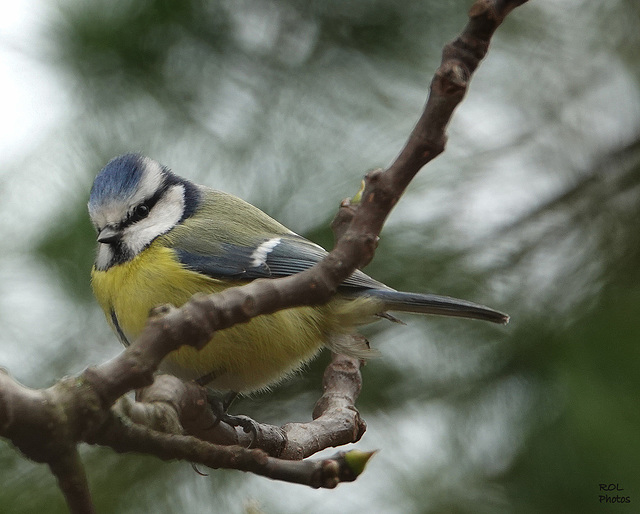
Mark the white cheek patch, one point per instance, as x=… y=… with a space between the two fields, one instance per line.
x=164 y=215
x=259 y=255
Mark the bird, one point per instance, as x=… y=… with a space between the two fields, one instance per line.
x=162 y=238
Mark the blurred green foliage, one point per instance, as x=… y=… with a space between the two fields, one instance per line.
x=68 y=249
x=533 y=209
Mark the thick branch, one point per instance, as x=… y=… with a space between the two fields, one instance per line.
x=46 y=425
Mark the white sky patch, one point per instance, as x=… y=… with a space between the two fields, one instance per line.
x=32 y=96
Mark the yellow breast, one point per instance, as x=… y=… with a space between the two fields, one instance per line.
x=242 y=358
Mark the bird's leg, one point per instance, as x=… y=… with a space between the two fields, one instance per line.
x=220 y=405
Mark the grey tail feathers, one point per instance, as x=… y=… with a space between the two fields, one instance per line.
x=434 y=304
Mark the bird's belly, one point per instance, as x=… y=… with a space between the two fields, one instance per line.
x=243 y=358
x=251 y=356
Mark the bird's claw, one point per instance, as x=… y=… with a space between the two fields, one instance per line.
x=219 y=406
x=248 y=425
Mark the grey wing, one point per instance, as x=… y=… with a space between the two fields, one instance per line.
x=288 y=254
x=278 y=256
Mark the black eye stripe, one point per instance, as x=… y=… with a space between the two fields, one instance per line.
x=143 y=209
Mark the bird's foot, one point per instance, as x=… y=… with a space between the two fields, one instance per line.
x=220 y=405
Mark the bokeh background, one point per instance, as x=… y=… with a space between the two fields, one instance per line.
x=533 y=209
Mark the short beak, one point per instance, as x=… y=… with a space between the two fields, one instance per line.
x=109 y=235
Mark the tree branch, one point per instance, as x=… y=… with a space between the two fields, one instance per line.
x=177 y=407
x=46 y=425
x=123 y=436
x=72 y=480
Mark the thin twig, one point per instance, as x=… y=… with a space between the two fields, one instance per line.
x=72 y=480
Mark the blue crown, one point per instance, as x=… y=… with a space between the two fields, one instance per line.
x=118 y=179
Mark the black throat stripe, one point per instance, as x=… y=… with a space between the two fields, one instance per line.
x=114 y=320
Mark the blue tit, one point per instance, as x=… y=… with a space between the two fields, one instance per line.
x=161 y=239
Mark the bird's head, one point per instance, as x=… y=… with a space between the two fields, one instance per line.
x=135 y=199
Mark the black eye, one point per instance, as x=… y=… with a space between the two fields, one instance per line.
x=140 y=212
